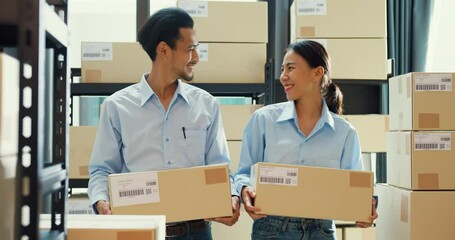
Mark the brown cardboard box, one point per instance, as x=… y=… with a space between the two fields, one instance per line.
x=372 y=130
x=355 y=233
x=82 y=139
x=234 y=152
x=9 y=105
x=111 y=227
x=228 y=21
x=421 y=160
x=180 y=194
x=364 y=59
x=113 y=62
x=322 y=193
x=235 y=118
x=422 y=101
x=414 y=215
x=338 y=19
x=230 y=63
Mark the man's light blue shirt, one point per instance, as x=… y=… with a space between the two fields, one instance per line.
x=272 y=135
x=136 y=133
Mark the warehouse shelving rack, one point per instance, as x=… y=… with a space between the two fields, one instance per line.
x=31 y=27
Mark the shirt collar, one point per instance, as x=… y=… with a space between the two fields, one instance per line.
x=290 y=113
x=147 y=91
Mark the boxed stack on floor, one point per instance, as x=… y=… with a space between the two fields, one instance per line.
x=420 y=159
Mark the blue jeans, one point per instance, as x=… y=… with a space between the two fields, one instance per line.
x=205 y=234
x=284 y=228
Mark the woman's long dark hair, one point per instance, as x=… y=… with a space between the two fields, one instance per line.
x=316 y=55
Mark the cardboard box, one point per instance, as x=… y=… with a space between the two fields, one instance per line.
x=355 y=233
x=372 y=130
x=421 y=160
x=8 y=200
x=82 y=140
x=231 y=63
x=338 y=19
x=364 y=59
x=113 y=62
x=9 y=105
x=321 y=193
x=422 y=101
x=228 y=21
x=111 y=227
x=180 y=194
x=79 y=204
x=414 y=215
x=235 y=148
x=235 y=118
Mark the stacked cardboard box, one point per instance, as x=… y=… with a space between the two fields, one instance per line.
x=82 y=139
x=232 y=40
x=420 y=159
x=372 y=139
x=353 y=32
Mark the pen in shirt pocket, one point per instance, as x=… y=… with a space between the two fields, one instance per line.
x=184 y=134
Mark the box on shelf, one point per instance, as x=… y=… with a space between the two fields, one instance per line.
x=338 y=19
x=113 y=62
x=421 y=160
x=161 y=193
x=321 y=193
x=372 y=139
x=351 y=59
x=414 y=215
x=230 y=63
x=422 y=101
x=355 y=233
x=247 y=21
x=82 y=139
x=234 y=152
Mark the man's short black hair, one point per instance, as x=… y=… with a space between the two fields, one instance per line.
x=164 y=25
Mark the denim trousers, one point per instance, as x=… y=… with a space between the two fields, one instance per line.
x=285 y=228
x=205 y=234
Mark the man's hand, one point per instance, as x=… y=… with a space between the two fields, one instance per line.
x=371 y=218
x=229 y=221
x=248 y=195
x=103 y=207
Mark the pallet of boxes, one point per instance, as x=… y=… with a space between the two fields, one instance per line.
x=420 y=196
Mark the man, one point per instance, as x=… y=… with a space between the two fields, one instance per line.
x=161 y=122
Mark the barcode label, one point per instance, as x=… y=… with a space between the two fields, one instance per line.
x=195 y=8
x=311 y=7
x=433 y=82
x=97 y=52
x=278 y=175
x=87 y=211
x=433 y=141
x=131 y=193
x=203 y=51
x=133 y=189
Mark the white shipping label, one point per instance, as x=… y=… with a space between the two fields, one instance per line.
x=97 y=52
x=140 y=188
x=433 y=141
x=433 y=82
x=196 y=8
x=311 y=7
x=278 y=175
x=203 y=51
x=321 y=41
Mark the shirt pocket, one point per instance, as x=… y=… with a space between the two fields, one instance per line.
x=193 y=147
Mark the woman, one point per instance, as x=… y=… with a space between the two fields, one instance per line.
x=306 y=130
